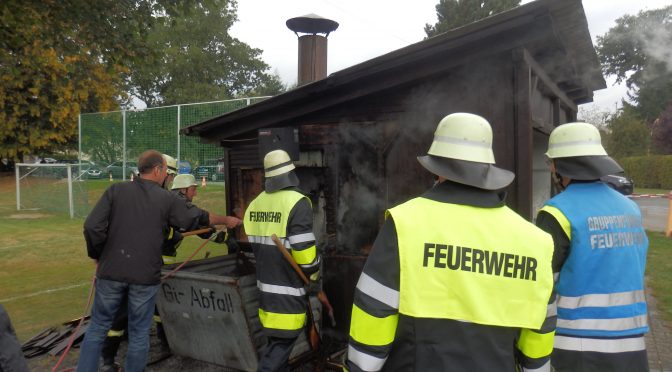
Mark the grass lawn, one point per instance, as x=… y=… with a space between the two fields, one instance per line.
x=46 y=275
x=45 y=272
x=639 y=190
x=659 y=272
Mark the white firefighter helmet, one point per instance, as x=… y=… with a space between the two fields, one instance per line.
x=462 y=152
x=182 y=181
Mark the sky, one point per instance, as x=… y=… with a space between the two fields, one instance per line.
x=370 y=28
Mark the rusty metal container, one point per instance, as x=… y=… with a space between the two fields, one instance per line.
x=209 y=313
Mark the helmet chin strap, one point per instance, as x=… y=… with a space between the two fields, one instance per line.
x=557 y=181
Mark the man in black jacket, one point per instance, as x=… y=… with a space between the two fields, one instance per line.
x=124 y=234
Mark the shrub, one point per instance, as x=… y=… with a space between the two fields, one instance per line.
x=649 y=171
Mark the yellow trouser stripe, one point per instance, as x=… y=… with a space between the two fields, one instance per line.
x=114 y=333
x=282 y=321
x=535 y=345
x=371 y=330
x=560 y=217
x=156 y=318
x=305 y=256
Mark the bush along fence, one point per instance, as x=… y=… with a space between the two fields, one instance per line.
x=653 y=172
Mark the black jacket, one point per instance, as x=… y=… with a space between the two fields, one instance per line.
x=125 y=230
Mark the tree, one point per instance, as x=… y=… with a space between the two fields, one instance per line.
x=456 y=13
x=637 y=51
x=628 y=135
x=59 y=58
x=196 y=59
x=661 y=133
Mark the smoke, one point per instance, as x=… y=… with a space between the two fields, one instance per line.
x=657 y=41
x=360 y=197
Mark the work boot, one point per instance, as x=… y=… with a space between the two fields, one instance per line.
x=114 y=367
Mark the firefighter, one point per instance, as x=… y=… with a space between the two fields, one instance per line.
x=282 y=209
x=455 y=281
x=171 y=171
x=600 y=258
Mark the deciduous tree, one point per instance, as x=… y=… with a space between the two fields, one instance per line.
x=628 y=135
x=196 y=59
x=456 y=13
x=59 y=58
x=637 y=50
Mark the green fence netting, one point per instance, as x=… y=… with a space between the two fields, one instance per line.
x=112 y=141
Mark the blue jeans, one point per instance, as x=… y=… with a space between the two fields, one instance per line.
x=109 y=294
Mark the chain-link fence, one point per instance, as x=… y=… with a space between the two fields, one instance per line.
x=114 y=140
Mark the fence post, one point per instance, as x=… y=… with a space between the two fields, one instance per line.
x=18 y=189
x=71 y=203
x=123 y=130
x=668 y=232
x=179 y=114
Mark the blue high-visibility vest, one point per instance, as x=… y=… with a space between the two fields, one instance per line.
x=601 y=285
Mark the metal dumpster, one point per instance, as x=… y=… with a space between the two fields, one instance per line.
x=209 y=313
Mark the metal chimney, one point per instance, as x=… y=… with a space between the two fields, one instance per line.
x=312 y=47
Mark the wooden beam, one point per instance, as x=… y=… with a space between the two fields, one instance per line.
x=547 y=81
x=523 y=133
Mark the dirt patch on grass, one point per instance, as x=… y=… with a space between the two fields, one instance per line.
x=26 y=216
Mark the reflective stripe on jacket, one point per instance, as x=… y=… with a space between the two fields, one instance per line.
x=282 y=306
x=601 y=284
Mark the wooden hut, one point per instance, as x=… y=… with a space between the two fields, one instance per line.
x=357 y=132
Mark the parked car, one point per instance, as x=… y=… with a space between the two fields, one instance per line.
x=90 y=170
x=619 y=182
x=116 y=169
x=212 y=170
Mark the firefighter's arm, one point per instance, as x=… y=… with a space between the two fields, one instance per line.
x=302 y=240
x=375 y=311
x=534 y=347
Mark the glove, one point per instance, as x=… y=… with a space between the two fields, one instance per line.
x=173 y=235
x=221 y=237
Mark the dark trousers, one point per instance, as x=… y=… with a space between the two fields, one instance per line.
x=116 y=333
x=275 y=357
x=11 y=357
x=580 y=361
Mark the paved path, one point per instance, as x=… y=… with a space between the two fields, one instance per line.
x=654 y=212
x=659 y=339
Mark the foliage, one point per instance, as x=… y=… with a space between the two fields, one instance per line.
x=628 y=135
x=456 y=13
x=649 y=171
x=661 y=133
x=195 y=59
x=637 y=51
x=60 y=58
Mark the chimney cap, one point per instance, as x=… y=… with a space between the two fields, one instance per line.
x=311 y=24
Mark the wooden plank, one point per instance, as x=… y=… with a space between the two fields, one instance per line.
x=547 y=81
x=523 y=135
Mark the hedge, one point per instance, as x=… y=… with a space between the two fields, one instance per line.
x=653 y=172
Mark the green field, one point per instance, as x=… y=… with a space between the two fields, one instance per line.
x=45 y=272
x=46 y=275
